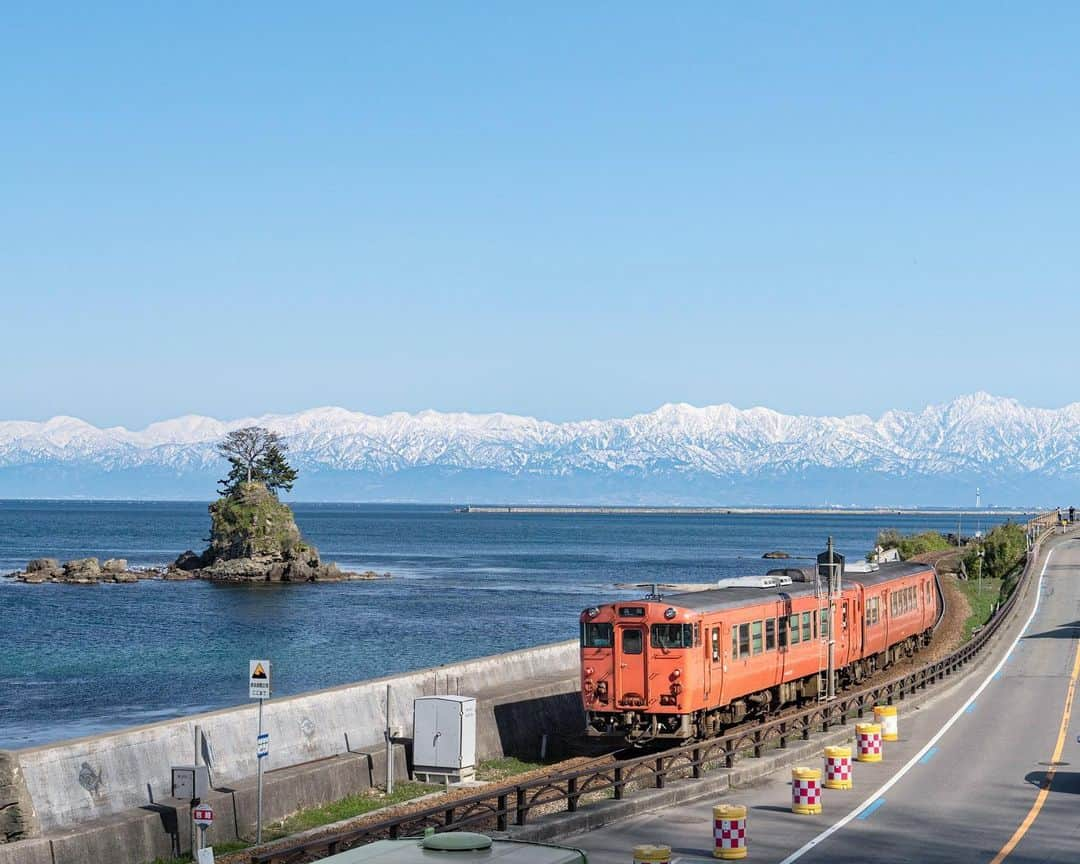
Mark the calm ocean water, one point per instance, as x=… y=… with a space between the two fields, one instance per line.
x=80 y=659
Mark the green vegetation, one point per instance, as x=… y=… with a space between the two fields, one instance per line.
x=993 y=567
x=982 y=599
x=252 y=522
x=998 y=553
x=316 y=817
x=255 y=455
x=347 y=808
x=910 y=545
x=494 y=770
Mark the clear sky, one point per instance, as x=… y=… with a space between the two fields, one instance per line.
x=560 y=209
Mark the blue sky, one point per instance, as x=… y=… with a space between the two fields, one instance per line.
x=237 y=208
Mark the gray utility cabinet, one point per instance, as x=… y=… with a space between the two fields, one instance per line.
x=444 y=738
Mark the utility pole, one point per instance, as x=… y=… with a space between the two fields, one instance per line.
x=833 y=595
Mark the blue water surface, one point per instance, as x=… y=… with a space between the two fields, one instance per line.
x=80 y=659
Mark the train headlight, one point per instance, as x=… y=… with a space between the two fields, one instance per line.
x=676 y=673
x=588 y=671
x=669 y=613
x=592 y=611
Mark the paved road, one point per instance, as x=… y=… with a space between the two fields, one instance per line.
x=962 y=797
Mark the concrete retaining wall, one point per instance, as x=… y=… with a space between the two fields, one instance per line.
x=90 y=778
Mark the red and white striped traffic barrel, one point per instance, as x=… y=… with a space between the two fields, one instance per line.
x=838 y=768
x=868 y=738
x=806 y=791
x=729 y=829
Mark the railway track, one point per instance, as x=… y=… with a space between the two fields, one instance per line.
x=621 y=771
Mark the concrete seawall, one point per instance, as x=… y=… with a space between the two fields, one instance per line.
x=86 y=785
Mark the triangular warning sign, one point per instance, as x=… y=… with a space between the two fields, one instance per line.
x=259 y=671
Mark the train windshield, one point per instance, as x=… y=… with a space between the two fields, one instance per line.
x=672 y=636
x=596 y=635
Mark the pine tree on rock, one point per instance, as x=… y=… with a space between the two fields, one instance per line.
x=256 y=454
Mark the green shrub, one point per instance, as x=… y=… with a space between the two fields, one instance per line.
x=1002 y=551
x=912 y=544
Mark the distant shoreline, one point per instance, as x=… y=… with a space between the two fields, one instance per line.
x=752 y=511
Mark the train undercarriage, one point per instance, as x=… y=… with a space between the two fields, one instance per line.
x=640 y=727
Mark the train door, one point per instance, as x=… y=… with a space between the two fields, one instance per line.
x=632 y=670
x=854 y=627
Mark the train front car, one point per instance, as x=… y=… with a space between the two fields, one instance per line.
x=640 y=670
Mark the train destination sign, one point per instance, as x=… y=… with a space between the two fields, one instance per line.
x=259 y=679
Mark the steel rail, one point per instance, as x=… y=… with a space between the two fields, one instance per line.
x=500 y=807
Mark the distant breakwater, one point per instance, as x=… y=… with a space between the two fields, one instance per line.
x=571 y=510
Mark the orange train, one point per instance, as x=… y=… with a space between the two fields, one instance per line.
x=688 y=665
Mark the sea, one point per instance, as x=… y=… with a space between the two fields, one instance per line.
x=77 y=660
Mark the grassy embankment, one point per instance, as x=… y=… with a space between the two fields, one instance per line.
x=315 y=817
x=491 y=770
x=997 y=558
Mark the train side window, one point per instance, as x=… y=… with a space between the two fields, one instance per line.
x=697 y=635
x=806 y=637
x=877 y=610
x=734 y=642
x=715 y=644
x=770 y=634
x=782 y=627
x=843 y=616
x=631 y=641
x=825 y=622
x=793 y=622
x=744 y=640
x=813 y=623
x=755 y=637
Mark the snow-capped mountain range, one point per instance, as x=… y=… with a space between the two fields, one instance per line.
x=677 y=454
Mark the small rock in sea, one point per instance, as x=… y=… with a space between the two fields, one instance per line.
x=776 y=555
x=82 y=570
x=115 y=565
x=174 y=575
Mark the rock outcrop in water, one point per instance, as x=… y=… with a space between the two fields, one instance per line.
x=254 y=538
x=81 y=571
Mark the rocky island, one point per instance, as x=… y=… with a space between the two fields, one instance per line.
x=253 y=535
x=254 y=538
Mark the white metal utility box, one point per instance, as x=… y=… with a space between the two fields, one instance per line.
x=444 y=739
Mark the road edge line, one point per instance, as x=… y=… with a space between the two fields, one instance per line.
x=914 y=760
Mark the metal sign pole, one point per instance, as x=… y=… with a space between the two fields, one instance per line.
x=258 y=808
x=389 y=748
x=196 y=835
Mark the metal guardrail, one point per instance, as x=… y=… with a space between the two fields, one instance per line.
x=512 y=804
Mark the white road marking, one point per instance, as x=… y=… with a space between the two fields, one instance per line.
x=832 y=829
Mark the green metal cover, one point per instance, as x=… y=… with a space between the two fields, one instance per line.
x=458 y=851
x=457 y=841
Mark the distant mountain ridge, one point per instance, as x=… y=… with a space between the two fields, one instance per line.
x=677 y=454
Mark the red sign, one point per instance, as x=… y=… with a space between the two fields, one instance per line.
x=203 y=816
